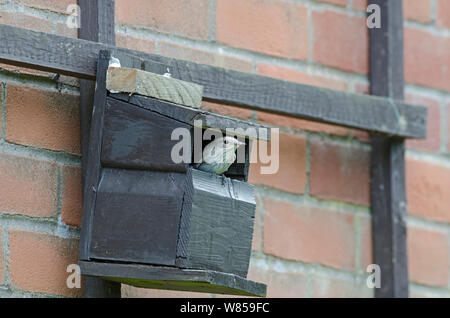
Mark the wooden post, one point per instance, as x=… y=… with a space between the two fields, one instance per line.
x=97 y=24
x=388 y=199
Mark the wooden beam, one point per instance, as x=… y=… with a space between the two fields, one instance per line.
x=388 y=199
x=77 y=57
x=97 y=25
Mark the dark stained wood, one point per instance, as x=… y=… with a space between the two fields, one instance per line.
x=138 y=138
x=388 y=198
x=189 y=115
x=97 y=21
x=78 y=58
x=134 y=134
x=95 y=287
x=93 y=166
x=137 y=216
x=97 y=25
x=163 y=277
x=220 y=225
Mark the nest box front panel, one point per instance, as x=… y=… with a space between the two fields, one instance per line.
x=134 y=137
x=137 y=216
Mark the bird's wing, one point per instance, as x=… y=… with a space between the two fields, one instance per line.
x=213 y=153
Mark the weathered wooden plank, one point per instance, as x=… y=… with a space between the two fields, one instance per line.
x=137 y=216
x=78 y=58
x=388 y=198
x=134 y=81
x=220 y=224
x=160 y=277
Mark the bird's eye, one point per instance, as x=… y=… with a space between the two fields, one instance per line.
x=226 y=141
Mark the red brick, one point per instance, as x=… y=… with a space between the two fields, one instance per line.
x=341 y=3
x=1 y=107
x=344 y=45
x=417 y=10
x=2 y=260
x=71 y=206
x=433 y=140
x=64 y=30
x=194 y=55
x=280 y=285
x=360 y=5
x=38 y=262
x=448 y=127
x=133 y=43
x=188 y=18
x=325 y=287
x=339 y=173
x=428 y=257
x=43 y=118
x=427 y=62
x=227 y=110
x=59 y=6
x=29 y=186
x=428 y=190
x=365 y=241
x=443 y=13
x=272 y=27
x=25 y=21
x=291 y=175
x=309 y=234
x=134 y=292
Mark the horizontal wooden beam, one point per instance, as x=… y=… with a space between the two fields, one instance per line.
x=75 y=57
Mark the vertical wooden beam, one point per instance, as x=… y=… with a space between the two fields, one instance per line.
x=97 y=24
x=388 y=198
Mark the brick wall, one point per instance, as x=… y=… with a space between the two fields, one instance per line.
x=312 y=231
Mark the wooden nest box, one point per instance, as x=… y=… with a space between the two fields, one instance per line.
x=147 y=220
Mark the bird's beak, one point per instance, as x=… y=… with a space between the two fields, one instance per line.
x=239 y=143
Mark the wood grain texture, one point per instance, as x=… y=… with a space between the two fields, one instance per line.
x=137 y=216
x=97 y=25
x=220 y=224
x=78 y=58
x=138 y=138
x=189 y=115
x=135 y=81
x=388 y=197
x=160 y=277
x=93 y=165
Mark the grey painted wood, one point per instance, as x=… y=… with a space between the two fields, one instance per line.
x=78 y=58
x=388 y=198
x=220 y=224
x=137 y=216
x=138 y=138
x=163 y=277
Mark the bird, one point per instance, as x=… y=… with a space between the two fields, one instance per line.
x=219 y=155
